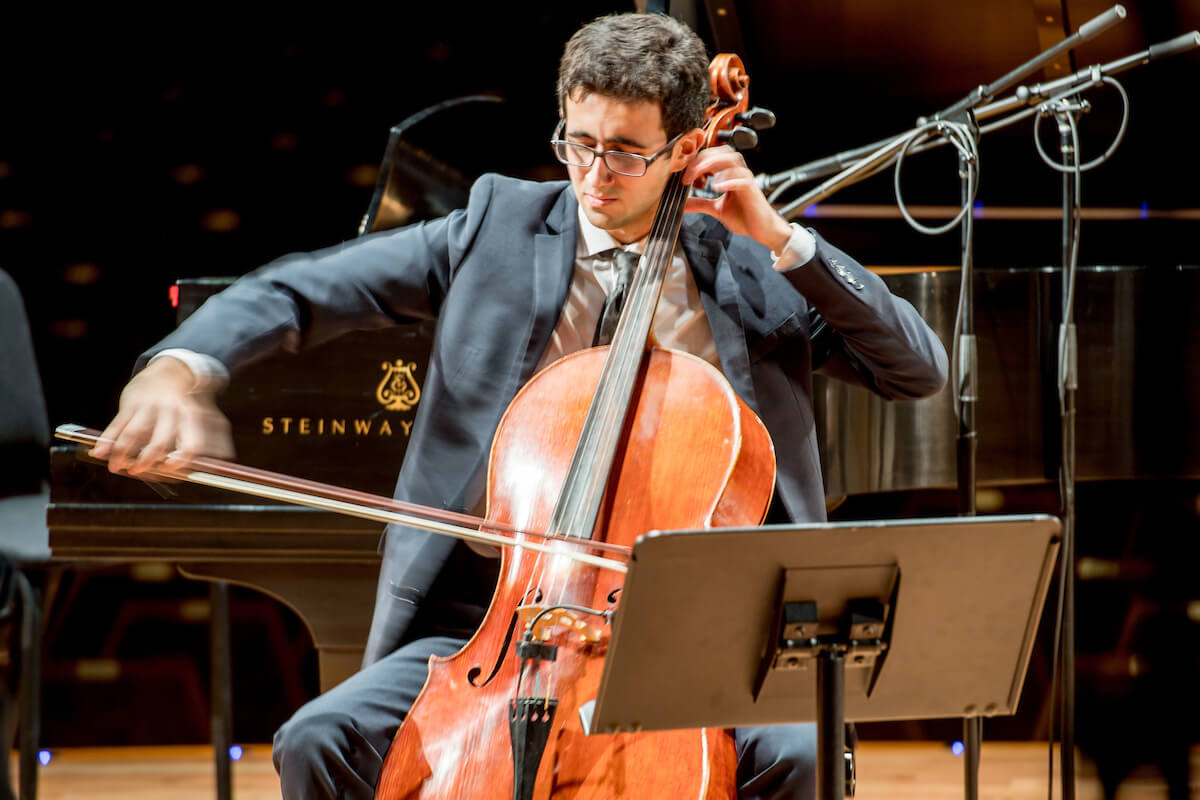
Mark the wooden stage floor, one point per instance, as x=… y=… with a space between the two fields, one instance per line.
x=892 y=770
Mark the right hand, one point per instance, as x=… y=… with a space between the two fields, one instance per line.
x=161 y=424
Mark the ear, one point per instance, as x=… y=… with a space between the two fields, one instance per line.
x=686 y=148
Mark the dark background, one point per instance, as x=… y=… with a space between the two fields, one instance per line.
x=137 y=151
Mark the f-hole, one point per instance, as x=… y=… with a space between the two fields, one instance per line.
x=474 y=672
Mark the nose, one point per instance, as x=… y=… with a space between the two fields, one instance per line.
x=600 y=170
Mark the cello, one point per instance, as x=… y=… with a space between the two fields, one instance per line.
x=603 y=445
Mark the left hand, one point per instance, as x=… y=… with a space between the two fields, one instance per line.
x=742 y=206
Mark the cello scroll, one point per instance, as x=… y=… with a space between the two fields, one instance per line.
x=731 y=120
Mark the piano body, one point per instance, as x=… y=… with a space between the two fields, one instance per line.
x=288 y=416
x=1139 y=374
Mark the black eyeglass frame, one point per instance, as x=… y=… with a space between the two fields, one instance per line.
x=604 y=154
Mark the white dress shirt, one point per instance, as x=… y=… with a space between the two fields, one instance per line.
x=679 y=321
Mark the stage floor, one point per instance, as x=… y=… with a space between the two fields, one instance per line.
x=892 y=770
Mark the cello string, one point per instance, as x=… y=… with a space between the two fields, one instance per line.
x=653 y=263
x=580 y=502
x=623 y=361
x=642 y=300
x=622 y=354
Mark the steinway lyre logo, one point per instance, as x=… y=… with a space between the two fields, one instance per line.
x=398 y=391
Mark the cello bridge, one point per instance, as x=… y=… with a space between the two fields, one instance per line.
x=541 y=623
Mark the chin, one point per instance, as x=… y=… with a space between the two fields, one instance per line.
x=600 y=220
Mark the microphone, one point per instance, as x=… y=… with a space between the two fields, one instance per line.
x=1180 y=44
x=985 y=94
x=1095 y=27
x=1026 y=95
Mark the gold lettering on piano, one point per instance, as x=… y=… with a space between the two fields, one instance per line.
x=398 y=391
x=308 y=426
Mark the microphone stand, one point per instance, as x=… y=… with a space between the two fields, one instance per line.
x=967 y=444
x=1067 y=385
x=865 y=161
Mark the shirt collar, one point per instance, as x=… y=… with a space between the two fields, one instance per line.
x=593 y=240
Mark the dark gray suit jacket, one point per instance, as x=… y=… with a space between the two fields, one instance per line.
x=495 y=275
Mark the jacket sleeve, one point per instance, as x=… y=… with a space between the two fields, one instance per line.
x=305 y=299
x=864 y=334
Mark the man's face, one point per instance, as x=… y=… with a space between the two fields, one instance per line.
x=620 y=204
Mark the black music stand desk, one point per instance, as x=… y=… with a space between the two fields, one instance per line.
x=888 y=620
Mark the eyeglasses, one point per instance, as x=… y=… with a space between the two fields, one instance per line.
x=580 y=155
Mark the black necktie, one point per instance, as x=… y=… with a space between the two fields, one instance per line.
x=624 y=262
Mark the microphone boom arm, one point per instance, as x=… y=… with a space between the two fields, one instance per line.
x=855 y=165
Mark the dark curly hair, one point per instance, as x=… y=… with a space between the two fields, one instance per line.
x=632 y=57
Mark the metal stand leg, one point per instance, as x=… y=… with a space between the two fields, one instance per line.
x=31 y=687
x=972 y=739
x=222 y=693
x=1067 y=754
x=831 y=726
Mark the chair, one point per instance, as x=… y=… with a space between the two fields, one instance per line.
x=24 y=542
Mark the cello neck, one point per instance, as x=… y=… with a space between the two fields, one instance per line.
x=579 y=504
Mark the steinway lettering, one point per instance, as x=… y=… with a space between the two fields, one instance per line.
x=319 y=426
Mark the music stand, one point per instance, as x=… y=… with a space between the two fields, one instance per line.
x=909 y=619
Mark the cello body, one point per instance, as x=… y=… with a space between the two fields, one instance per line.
x=692 y=455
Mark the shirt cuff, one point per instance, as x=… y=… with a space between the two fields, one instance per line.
x=799 y=249
x=210 y=374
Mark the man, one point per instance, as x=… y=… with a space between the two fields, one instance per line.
x=516 y=280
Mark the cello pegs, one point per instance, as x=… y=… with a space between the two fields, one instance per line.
x=757 y=118
x=741 y=137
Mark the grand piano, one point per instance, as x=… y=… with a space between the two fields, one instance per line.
x=288 y=417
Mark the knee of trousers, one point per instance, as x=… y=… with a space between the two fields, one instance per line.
x=777 y=762
x=322 y=743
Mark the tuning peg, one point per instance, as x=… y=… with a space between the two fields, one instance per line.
x=740 y=137
x=757 y=118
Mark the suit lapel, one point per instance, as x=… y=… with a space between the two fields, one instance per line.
x=722 y=304
x=553 y=265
